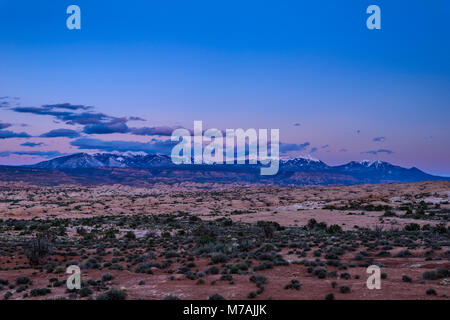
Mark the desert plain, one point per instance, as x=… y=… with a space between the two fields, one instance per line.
x=204 y=241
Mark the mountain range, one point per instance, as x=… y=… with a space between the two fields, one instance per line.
x=140 y=169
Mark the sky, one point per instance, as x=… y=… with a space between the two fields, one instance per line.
x=137 y=70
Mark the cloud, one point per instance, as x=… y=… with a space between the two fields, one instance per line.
x=86 y=118
x=358 y=131
x=43 y=154
x=67 y=106
x=7 y=101
x=324 y=147
x=154 y=146
x=8 y=98
x=116 y=126
x=6 y=134
x=288 y=147
x=69 y=117
x=31 y=144
x=314 y=149
x=374 y=152
x=343 y=150
x=379 y=139
x=136 y=119
x=4 y=125
x=41 y=111
x=61 y=133
x=154 y=131
x=296 y=124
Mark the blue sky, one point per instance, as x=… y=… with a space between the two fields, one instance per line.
x=260 y=64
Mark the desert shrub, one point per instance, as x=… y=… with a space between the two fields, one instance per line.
x=431 y=291
x=321 y=273
x=37 y=249
x=383 y=253
x=294 y=284
x=314 y=225
x=213 y=270
x=40 y=292
x=439 y=273
x=344 y=289
x=403 y=253
x=84 y=292
x=440 y=228
x=113 y=294
x=412 y=227
x=170 y=297
x=334 y=228
x=226 y=277
x=109 y=234
x=144 y=268
x=405 y=278
x=263 y=266
x=345 y=276
x=329 y=297
x=23 y=280
x=269 y=227
x=107 y=277
x=258 y=279
x=252 y=295
x=171 y=254
x=218 y=257
x=358 y=257
x=116 y=266
x=21 y=288
x=238 y=267
x=216 y=296
x=389 y=213
x=91 y=263
x=317 y=253
x=130 y=235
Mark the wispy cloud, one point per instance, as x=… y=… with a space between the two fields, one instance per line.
x=6 y=134
x=115 y=126
x=65 y=112
x=4 y=125
x=67 y=106
x=136 y=119
x=43 y=154
x=374 y=152
x=154 y=146
x=379 y=139
x=154 y=131
x=32 y=144
x=68 y=133
x=289 y=147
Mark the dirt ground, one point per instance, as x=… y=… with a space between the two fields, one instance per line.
x=374 y=208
